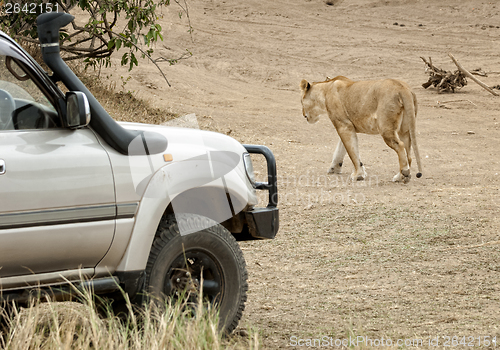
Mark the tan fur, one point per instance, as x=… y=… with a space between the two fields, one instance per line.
x=387 y=107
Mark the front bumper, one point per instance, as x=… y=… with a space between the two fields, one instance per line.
x=263 y=223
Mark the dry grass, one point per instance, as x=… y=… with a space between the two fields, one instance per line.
x=70 y=325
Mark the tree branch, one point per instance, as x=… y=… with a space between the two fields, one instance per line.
x=143 y=52
x=466 y=72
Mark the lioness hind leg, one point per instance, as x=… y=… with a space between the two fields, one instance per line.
x=392 y=140
x=338 y=159
x=407 y=141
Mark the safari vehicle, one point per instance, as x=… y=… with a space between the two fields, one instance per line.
x=90 y=202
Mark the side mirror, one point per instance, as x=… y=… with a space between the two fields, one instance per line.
x=77 y=110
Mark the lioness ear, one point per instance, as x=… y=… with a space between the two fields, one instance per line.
x=304 y=85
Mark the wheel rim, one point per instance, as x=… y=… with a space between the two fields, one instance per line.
x=188 y=270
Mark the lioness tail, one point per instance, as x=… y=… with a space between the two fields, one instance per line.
x=410 y=110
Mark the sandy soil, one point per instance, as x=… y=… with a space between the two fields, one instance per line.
x=375 y=258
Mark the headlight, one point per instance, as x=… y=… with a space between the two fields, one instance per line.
x=247 y=161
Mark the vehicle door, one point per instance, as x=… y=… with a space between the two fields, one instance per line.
x=57 y=198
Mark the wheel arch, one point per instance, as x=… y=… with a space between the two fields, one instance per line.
x=222 y=201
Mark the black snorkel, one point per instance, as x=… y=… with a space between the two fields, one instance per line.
x=101 y=122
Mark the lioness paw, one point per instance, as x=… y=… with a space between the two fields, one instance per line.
x=335 y=170
x=358 y=177
x=399 y=177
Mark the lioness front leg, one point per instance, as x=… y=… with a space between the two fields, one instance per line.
x=350 y=140
x=338 y=159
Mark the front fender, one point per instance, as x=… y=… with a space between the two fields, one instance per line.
x=219 y=171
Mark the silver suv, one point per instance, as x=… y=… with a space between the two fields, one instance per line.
x=117 y=206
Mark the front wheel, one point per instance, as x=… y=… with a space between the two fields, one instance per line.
x=209 y=255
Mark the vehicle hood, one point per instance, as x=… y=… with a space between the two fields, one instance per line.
x=193 y=158
x=186 y=143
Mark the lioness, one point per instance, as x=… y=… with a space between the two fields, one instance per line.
x=387 y=107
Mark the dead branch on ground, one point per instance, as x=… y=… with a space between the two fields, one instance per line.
x=444 y=81
x=447 y=81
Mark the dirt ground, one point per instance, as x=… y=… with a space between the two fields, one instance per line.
x=372 y=259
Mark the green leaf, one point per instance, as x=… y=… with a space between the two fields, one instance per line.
x=124 y=59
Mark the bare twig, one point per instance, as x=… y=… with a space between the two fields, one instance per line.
x=172 y=61
x=476 y=245
x=479 y=71
x=469 y=75
x=186 y=10
x=443 y=102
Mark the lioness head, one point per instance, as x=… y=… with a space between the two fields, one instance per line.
x=313 y=102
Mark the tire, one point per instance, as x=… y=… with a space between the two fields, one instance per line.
x=212 y=250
